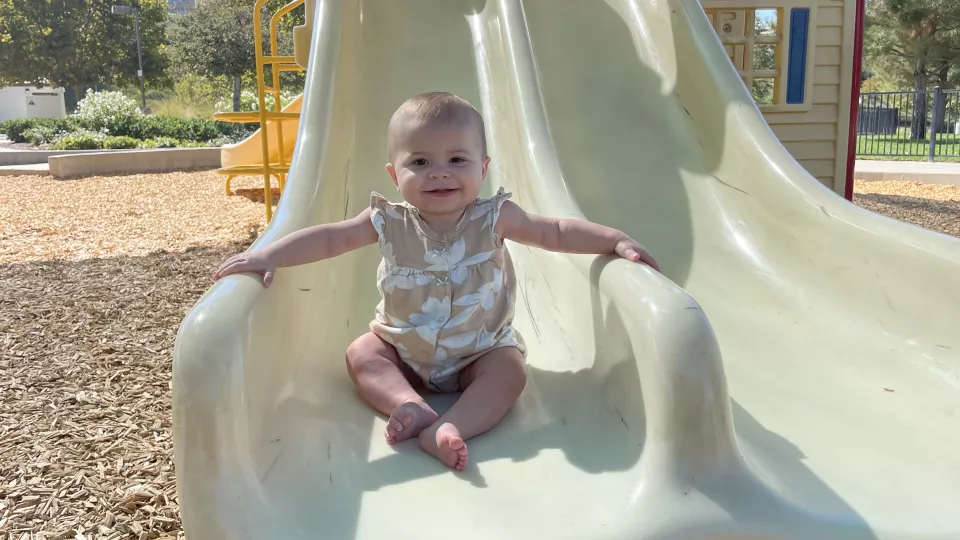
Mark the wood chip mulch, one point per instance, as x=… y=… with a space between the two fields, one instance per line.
x=933 y=206
x=96 y=276
x=91 y=297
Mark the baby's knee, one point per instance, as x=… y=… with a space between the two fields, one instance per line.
x=369 y=351
x=357 y=355
x=514 y=369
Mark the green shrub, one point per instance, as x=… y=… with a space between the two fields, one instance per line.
x=80 y=139
x=40 y=135
x=220 y=141
x=192 y=144
x=17 y=129
x=139 y=127
x=167 y=142
x=120 y=143
x=160 y=142
x=186 y=129
x=250 y=102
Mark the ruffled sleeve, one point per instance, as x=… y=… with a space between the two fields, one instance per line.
x=378 y=214
x=496 y=203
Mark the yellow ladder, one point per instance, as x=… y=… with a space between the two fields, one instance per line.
x=269 y=168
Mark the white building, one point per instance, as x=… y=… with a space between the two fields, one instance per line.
x=31 y=102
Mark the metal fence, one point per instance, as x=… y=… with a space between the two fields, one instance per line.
x=899 y=124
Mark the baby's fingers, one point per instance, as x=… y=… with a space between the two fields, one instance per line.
x=636 y=253
x=650 y=261
x=234 y=265
x=645 y=257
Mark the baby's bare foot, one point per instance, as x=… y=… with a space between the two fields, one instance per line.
x=445 y=444
x=408 y=420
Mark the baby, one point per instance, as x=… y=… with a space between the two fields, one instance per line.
x=446 y=280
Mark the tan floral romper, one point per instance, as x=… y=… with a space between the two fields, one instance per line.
x=446 y=299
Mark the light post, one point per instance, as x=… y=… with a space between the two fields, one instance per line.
x=124 y=10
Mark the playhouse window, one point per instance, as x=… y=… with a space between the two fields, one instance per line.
x=753 y=39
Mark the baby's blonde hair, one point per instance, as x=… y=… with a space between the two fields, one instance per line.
x=441 y=108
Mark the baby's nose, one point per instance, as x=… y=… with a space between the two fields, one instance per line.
x=440 y=173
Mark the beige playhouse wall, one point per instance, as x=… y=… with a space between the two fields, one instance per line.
x=816 y=132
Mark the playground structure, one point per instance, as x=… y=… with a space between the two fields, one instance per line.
x=815 y=45
x=793 y=374
x=267 y=156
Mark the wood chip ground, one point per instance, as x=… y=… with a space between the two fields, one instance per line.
x=932 y=206
x=96 y=276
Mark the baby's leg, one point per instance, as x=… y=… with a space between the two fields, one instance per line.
x=491 y=385
x=384 y=381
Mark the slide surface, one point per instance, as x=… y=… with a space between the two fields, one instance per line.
x=795 y=373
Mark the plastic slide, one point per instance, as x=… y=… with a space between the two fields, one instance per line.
x=794 y=374
x=248 y=151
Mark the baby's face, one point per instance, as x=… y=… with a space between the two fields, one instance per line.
x=438 y=168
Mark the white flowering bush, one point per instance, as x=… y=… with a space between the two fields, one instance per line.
x=249 y=102
x=111 y=110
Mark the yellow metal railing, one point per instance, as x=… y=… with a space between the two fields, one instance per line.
x=278 y=64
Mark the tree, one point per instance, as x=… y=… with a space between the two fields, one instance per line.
x=914 y=41
x=764 y=56
x=216 y=39
x=77 y=43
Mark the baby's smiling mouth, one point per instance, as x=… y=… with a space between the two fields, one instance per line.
x=441 y=192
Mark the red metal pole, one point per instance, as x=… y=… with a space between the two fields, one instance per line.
x=854 y=99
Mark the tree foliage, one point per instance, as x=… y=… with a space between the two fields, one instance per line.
x=764 y=59
x=77 y=43
x=217 y=38
x=914 y=43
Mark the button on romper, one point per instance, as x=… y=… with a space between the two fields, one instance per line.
x=446 y=299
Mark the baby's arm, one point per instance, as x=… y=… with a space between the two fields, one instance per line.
x=568 y=235
x=304 y=246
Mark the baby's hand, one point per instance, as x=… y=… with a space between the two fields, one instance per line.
x=632 y=251
x=257 y=262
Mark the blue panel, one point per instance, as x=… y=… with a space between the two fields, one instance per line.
x=797 y=58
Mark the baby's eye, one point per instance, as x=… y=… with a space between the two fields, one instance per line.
x=419 y=162
x=457 y=159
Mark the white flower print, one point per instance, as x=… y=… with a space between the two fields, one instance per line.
x=459 y=274
x=482 y=340
x=440 y=355
x=485 y=294
x=452 y=260
x=463 y=316
x=446 y=259
x=377 y=219
x=483 y=211
x=402 y=351
x=392 y=212
x=433 y=317
x=399 y=324
x=458 y=341
x=387 y=251
x=485 y=339
x=405 y=281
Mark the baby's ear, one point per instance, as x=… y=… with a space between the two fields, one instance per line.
x=393 y=174
x=486 y=163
